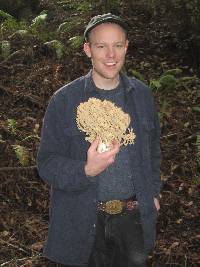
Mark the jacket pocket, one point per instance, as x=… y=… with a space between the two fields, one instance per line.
x=76 y=142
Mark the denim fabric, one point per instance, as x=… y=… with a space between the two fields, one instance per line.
x=61 y=159
x=63 y=265
x=119 y=241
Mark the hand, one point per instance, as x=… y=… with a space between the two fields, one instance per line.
x=98 y=162
x=157 y=204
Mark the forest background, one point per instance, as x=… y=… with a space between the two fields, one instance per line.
x=40 y=51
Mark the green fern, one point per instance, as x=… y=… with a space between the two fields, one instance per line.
x=168 y=81
x=39 y=20
x=22 y=154
x=5 y=15
x=173 y=72
x=5 y=49
x=76 y=42
x=155 y=85
x=82 y=6
x=57 y=46
x=138 y=75
x=11 y=125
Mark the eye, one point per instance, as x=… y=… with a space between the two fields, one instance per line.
x=100 y=46
x=119 y=45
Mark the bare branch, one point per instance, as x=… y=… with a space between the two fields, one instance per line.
x=15 y=168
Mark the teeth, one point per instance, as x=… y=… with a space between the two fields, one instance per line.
x=111 y=64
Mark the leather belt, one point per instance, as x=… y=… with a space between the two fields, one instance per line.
x=117 y=206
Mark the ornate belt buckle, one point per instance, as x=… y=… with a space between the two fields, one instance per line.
x=113 y=207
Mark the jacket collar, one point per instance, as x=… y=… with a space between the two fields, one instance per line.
x=127 y=82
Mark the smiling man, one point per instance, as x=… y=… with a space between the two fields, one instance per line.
x=103 y=205
x=106 y=46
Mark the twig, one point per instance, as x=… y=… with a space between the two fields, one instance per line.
x=22 y=259
x=16 y=247
x=169 y=135
x=17 y=168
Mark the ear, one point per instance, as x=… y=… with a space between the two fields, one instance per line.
x=87 y=50
x=126 y=45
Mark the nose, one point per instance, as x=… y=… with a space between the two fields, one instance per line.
x=110 y=52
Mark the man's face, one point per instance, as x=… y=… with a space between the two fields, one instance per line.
x=107 y=48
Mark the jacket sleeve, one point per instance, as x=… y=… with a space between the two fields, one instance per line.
x=54 y=165
x=156 y=154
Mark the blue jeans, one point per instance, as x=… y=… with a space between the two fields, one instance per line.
x=119 y=241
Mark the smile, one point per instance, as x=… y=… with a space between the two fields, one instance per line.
x=110 y=64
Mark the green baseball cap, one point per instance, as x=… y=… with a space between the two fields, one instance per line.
x=100 y=19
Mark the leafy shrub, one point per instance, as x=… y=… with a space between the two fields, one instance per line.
x=76 y=41
x=57 y=46
x=11 y=125
x=22 y=154
x=5 y=48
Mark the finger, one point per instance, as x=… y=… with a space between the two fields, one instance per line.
x=94 y=144
x=115 y=147
x=112 y=152
x=157 y=204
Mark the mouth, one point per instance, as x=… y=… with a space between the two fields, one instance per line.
x=111 y=64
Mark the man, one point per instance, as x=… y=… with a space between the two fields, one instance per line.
x=103 y=206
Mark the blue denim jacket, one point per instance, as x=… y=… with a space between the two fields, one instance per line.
x=61 y=158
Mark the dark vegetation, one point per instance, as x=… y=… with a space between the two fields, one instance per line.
x=40 y=50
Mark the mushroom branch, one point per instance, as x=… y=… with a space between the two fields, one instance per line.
x=105 y=120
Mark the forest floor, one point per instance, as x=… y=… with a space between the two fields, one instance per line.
x=27 y=81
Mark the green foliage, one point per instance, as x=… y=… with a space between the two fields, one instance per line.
x=155 y=85
x=138 y=75
x=82 y=6
x=64 y=26
x=10 y=24
x=12 y=28
x=197 y=109
x=38 y=28
x=5 y=15
x=187 y=81
x=39 y=20
x=168 y=81
x=31 y=137
x=22 y=34
x=22 y=154
x=1 y=140
x=85 y=6
x=76 y=42
x=11 y=126
x=58 y=47
x=171 y=80
x=5 y=48
x=103 y=6
x=173 y=72
x=164 y=110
